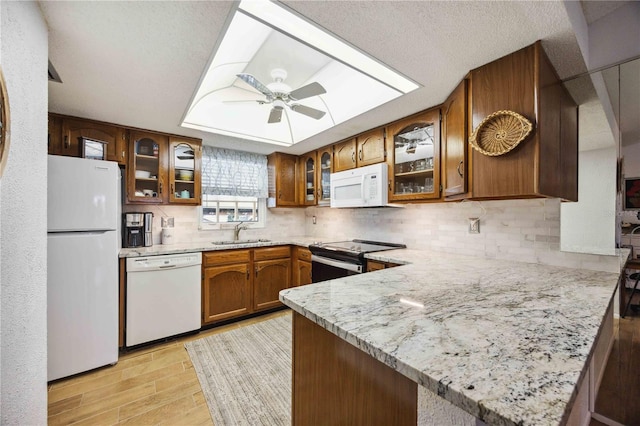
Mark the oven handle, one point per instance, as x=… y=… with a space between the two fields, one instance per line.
x=337 y=264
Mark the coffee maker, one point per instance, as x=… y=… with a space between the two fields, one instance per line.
x=133 y=230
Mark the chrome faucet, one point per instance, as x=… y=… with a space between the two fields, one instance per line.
x=237 y=229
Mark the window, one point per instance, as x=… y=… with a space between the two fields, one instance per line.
x=222 y=209
x=234 y=188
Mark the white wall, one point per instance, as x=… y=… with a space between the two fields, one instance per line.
x=589 y=225
x=23 y=218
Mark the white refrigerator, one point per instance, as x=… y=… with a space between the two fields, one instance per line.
x=83 y=240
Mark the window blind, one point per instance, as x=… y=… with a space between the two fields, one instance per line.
x=230 y=172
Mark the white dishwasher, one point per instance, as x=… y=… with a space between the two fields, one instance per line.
x=163 y=296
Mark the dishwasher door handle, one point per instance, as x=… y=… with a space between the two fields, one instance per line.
x=167 y=266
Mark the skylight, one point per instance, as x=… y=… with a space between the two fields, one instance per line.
x=279 y=79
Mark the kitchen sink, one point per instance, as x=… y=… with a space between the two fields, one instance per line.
x=231 y=242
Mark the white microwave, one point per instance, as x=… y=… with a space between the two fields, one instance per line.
x=360 y=187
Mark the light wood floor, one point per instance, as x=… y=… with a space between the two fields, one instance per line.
x=619 y=394
x=157 y=385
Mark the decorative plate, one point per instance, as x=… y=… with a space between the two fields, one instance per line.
x=500 y=132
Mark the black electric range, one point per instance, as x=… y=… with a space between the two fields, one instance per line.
x=343 y=258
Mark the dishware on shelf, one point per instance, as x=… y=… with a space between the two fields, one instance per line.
x=185 y=194
x=184 y=174
x=143 y=174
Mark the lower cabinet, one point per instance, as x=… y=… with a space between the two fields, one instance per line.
x=272 y=273
x=226 y=292
x=301 y=262
x=236 y=283
x=376 y=265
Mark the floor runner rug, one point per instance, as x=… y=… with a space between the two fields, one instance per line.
x=245 y=373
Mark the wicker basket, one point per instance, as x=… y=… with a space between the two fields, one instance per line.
x=500 y=132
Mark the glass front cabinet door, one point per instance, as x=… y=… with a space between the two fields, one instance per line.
x=324 y=176
x=415 y=169
x=185 y=158
x=145 y=179
x=308 y=166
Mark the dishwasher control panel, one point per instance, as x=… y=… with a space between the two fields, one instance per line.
x=163 y=261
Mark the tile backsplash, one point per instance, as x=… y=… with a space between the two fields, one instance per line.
x=519 y=230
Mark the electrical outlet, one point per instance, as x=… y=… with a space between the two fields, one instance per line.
x=474 y=225
x=313 y=219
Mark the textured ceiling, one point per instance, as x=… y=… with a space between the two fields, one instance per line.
x=138 y=63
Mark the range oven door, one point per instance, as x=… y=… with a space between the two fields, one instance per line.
x=324 y=268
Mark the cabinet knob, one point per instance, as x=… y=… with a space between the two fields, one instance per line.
x=66 y=141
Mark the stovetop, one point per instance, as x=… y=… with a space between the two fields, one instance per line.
x=356 y=247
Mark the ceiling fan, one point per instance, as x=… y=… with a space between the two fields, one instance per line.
x=280 y=95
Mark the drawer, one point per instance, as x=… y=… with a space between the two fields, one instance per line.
x=271 y=253
x=225 y=257
x=303 y=254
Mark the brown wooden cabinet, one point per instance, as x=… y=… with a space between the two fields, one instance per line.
x=66 y=136
x=370 y=147
x=272 y=267
x=344 y=155
x=454 y=141
x=324 y=169
x=226 y=285
x=307 y=167
x=54 y=138
x=185 y=175
x=376 y=265
x=545 y=163
x=301 y=263
x=282 y=179
x=162 y=169
x=147 y=169
x=413 y=144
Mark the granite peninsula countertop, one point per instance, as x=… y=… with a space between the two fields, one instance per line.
x=507 y=342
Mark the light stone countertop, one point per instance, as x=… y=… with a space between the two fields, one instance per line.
x=507 y=342
x=159 y=249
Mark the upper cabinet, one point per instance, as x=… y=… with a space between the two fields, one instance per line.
x=147 y=168
x=344 y=155
x=282 y=179
x=415 y=160
x=323 y=175
x=185 y=159
x=545 y=162
x=370 y=147
x=307 y=167
x=71 y=136
x=163 y=169
x=454 y=141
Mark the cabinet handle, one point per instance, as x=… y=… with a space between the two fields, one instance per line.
x=172 y=189
x=247 y=274
x=256 y=272
x=360 y=155
x=66 y=141
x=389 y=184
x=159 y=189
x=458 y=168
x=123 y=154
x=353 y=157
x=280 y=194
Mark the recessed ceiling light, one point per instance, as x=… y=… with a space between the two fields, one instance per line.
x=277 y=78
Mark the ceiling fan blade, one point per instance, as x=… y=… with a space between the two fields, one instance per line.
x=275 y=116
x=255 y=83
x=308 y=111
x=260 y=101
x=307 y=91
